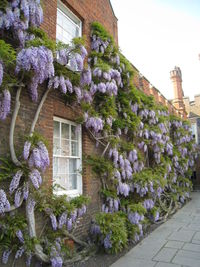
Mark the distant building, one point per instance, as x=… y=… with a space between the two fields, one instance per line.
x=188 y=108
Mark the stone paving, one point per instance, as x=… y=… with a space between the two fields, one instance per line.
x=175 y=243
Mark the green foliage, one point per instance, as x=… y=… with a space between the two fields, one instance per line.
x=7 y=169
x=115 y=226
x=100 y=165
x=41 y=39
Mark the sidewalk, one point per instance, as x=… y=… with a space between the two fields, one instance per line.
x=175 y=243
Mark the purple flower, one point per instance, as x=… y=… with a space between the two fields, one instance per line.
x=26 y=191
x=20 y=236
x=123 y=189
x=95 y=123
x=83 y=51
x=26 y=151
x=56 y=261
x=95 y=229
x=15 y=181
x=44 y=156
x=69 y=224
x=40 y=61
x=18 y=198
x=74 y=215
x=62 y=220
x=148 y=204
x=28 y=260
x=107 y=242
x=5 y=256
x=5 y=100
x=86 y=77
x=35 y=178
x=1 y=73
x=19 y=253
x=157 y=216
x=53 y=221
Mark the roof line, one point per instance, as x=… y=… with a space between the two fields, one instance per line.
x=112 y=9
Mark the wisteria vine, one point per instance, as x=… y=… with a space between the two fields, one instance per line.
x=147 y=154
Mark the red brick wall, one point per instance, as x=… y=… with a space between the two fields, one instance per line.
x=87 y=10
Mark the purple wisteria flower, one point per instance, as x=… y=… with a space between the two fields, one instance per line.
x=86 y=77
x=123 y=189
x=20 y=236
x=62 y=220
x=69 y=224
x=40 y=61
x=135 y=217
x=107 y=242
x=18 y=198
x=148 y=204
x=26 y=191
x=28 y=260
x=19 y=253
x=56 y=261
x=4 y=203
x=5 y=102
x=95 y=123
x=1 y=73
x=95 y=229
x=35 y=178
x=26 y=151
x=44 y=156
x=5 y=256
x=15 y=181
x=53 y=221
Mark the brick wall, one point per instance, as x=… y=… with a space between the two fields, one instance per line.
x=87 y=10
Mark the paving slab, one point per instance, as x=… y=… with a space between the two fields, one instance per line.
x=164 y=264
x=130 y=262
x=191 y=247
x=182 y=235
x=165 y=254
x=174 y=244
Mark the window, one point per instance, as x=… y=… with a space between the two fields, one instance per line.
x=68 y=25
x=194 y=132
x=67 y=157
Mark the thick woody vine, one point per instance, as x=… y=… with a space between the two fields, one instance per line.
x=147 y=155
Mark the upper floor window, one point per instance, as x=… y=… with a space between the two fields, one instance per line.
x=68 y=25
x=67 y=157
x=194 y=132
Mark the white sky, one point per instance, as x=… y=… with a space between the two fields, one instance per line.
x=157 y=35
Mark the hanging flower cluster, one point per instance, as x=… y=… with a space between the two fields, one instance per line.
x=36 y=156
x=5 y=102
x=40 y=61
x=19 y=15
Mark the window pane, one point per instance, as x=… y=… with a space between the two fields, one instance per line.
x=65 y=130
x=74 y=148
x=56 y=129
x=63 y=164
x=56 y=146
x=72 y=181
x=72 y=166
x=65 y=148
x=74 y=134
x=55 y=166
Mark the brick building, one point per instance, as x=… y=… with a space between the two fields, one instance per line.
x=191 y=109
x=64 y=20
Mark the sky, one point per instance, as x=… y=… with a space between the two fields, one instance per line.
x=157 y=35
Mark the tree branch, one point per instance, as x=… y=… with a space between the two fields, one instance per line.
x=95 y=138
x=104 y=152
x=30 y=215
x=12 y=128
x=38 y=111
x=76 y=240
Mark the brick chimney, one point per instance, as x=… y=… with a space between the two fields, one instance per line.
x=178 y=102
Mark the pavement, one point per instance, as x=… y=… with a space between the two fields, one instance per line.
x=175 y=243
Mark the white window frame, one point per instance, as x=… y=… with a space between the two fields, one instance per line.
x=79 y=190
x=61 y=7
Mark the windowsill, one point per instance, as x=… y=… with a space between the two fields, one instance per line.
x=69 y=194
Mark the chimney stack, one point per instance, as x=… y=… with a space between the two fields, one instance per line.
x=176 y=78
